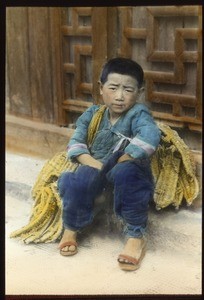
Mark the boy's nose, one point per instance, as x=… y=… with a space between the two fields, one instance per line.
x=119 y=95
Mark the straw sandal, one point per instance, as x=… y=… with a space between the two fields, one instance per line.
x=68 y=253
x=131 y=263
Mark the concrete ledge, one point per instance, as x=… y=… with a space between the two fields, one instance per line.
x=43 y=140
x=35 y=138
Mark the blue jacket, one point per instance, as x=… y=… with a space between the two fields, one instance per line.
x=136 y=127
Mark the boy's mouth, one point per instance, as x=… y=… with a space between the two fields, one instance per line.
x=118 y=105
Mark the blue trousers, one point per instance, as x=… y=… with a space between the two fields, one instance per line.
x=133 y=190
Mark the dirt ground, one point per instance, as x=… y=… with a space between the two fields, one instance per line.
x=172 y=264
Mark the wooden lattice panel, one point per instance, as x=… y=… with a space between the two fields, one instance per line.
x=77 y=51
x=82 y=57
x=174 y=93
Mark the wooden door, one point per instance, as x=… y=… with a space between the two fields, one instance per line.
x=165 y=40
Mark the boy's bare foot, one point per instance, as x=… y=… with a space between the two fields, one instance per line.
x=132 y=254
x=68 y=244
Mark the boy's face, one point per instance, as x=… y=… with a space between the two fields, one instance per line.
x=119 y=93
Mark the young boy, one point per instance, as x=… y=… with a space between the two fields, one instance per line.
x=119 y=155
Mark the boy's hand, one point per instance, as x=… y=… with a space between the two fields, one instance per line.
x=125 y=157
x=112 y=161
x=88 y=160
x=97 y=164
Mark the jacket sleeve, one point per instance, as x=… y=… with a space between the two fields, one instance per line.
x=78 y=142
x=146 y=135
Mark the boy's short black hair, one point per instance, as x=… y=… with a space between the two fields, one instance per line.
x=124 y=66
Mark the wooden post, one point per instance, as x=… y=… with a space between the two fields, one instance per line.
x=99 y=47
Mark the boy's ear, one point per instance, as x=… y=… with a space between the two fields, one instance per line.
x=141 y=90
x=141 y=95
x=100 y=87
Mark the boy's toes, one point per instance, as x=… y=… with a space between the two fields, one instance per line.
x=65 y=249
x=122 y=260
x=71 y=248
x=68 y=248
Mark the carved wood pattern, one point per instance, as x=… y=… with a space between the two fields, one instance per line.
x=81 y=50
x=76 y=49
x=184 y=109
